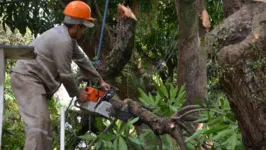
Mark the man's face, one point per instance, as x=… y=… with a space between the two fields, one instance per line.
x=79 y=30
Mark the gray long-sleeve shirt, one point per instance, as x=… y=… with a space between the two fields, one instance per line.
x=55 y=51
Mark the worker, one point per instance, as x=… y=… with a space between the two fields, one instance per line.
x=35 y=81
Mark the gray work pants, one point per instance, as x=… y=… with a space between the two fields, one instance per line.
x=33 y=107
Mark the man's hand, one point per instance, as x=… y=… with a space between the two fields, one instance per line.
x=105 y=86
x=82 y=97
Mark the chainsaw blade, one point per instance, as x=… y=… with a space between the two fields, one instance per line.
x=121 y=115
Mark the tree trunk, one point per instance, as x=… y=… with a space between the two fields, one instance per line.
x=116 y=47
x=122 y=50
x=191 y=64
x=239 y=46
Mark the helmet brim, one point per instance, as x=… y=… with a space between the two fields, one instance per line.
x=88 y=24
x=72 y=20
x=91 y=19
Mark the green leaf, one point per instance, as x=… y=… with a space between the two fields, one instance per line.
x=122 y=143
x=151 y=99
x=194 y=136
x=216 y=129
x=181 y=94
x=162 y=89
x=215 y=121
x=135 y=140
x=173 y=93
x=107 y=137
x=222 y=102
x=132 y=121
x=143 y=101
x=224 y=133
x=108 y=144
x=157 y=98
x=99 y=123
x=123 y=127
x=233 y=141
x=115 y=144
x=167 y=141
x=190 y=146
x=173 y=109
x=99 y=145
x=144 y=98
x=87 y=137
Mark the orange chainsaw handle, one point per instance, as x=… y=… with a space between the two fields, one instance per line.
x=93 y=94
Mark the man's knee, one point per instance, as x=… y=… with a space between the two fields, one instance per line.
x=38 y=136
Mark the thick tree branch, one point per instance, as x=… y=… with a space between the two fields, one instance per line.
x=233 y=29
x=123 y=46
x=231 y=54
x=160 y=125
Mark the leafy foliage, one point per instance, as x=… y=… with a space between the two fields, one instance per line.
x=122 y=136
x=13 y=132
x=37 y=15
x=167 y=100
x=215 y=10
x=220 y=129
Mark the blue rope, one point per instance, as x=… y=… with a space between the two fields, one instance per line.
x=102 y=31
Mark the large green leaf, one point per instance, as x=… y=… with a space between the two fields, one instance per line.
x=224 y=133
x=122 y=143
x=162 y=89
x=173 y=93
x=144 y=98
x=87 y=137
x=115 y=144
x=216 y=129
x=128 y=124
x=194 y=136
x=108 y=136
x=107 y=145
x=136 y=140
x=181 y=94
x=217 y=120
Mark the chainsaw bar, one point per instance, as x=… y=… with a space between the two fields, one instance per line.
x=99 y=104
x=122 y=115
x=105 y=109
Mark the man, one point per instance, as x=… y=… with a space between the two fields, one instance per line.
x=35 y=81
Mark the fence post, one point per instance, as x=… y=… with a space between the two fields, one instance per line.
x=62 y=129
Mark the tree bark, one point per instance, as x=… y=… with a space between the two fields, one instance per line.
x=159 y=125
x=231 y=6
x=239 y=45
x=122 y=49
x=191 y=59
x=116 y=47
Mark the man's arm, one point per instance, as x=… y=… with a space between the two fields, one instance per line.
x=87 y=68
x=85 y=64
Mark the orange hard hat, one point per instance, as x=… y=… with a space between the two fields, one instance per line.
x=78 y=9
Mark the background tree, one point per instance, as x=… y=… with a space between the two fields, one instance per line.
x=238 y=50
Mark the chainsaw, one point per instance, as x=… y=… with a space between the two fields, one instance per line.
x=98 y=102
